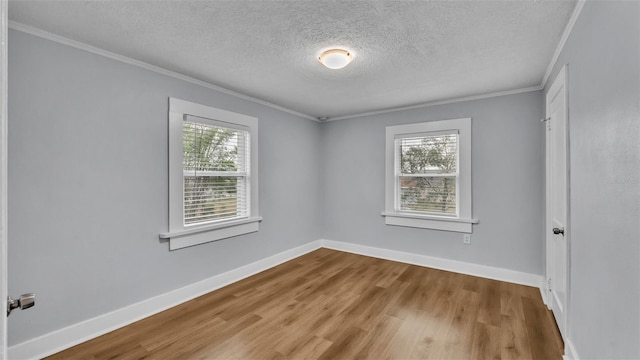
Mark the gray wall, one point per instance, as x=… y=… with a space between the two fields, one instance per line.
x=88 y=185
x=604 y=124
x=508 y=173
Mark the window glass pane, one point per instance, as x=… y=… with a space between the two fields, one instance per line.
x=208 y=151
x=429 y=154
x=428 y=194
x=208 y=198
x=211 y=148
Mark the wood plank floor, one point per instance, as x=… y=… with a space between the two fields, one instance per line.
x=334 y=305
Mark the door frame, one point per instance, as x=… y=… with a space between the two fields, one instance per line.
x=562 y=79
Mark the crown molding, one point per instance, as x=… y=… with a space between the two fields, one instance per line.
x=440 y=102
x=127 y=60
x=114 y=56
x=565 y=35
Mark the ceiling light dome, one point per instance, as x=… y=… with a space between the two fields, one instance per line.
x=335 y=58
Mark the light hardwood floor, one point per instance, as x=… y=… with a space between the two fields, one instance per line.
x=334 y=305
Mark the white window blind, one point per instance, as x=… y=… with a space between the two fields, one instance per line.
x=427 y=173
x=216 y=172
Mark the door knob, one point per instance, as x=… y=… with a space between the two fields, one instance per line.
x=558 y=231
x=24 y=302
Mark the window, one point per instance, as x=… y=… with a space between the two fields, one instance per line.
x=428 y=175
x=215 y=165
x=213 y=170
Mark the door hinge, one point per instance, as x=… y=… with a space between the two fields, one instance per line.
x=549 y=284
x=547 y=122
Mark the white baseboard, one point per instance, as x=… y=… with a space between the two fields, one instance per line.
x=484 y=271
x=544 y=293
x=59 y=340
x=570 y=351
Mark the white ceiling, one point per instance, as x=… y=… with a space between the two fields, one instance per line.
x=405 y=52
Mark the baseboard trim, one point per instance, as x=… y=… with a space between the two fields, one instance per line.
x=544 y=292
x=570 y=352
x=483 y=271
x=64 y=338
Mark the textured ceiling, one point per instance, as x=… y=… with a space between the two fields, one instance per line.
x=405 y=52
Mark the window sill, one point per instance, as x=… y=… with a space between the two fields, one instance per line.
x=430 y=222
x=213 y=232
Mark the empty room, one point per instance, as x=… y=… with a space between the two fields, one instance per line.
x=320 y=179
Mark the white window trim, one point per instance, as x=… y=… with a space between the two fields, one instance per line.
x=179 y=235
x=464 y=220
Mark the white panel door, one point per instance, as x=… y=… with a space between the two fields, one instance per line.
x=557 y=262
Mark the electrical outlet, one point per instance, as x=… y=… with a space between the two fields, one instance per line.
x=467 y=239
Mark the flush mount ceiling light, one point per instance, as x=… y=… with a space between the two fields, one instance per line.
x=335 y=58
